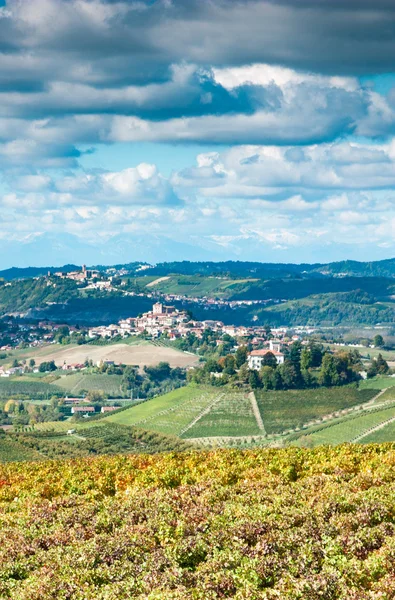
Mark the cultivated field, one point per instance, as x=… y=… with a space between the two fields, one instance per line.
x=138 y=354
x=194 y=412
x=195 y=285
x=169 y=413
x=31 y=388
x=231 y=415
x=384 y=434
x=265 y=524
x=76 y=383
x=350 y=429
x=285 y=410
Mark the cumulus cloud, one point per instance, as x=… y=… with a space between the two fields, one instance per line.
x=261 y=171
x=142 y=185
x=273 y=87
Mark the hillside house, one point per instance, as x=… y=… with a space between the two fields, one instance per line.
x=255 y=358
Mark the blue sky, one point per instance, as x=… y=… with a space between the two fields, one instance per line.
x=247 y=130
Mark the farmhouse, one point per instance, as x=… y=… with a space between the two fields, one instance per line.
x=105 y=409
x=82 y=409
x=256 y=357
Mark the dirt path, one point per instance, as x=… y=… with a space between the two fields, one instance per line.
x=156 y=281
x=202 y=414
x=256 y=411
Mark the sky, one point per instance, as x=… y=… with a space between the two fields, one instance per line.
x=195 y=130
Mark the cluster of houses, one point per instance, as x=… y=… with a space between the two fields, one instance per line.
x=171 y=322
x=168 y=321
x=81 y=276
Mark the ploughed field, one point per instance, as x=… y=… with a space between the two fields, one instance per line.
x=129 y=354
x=264 y=524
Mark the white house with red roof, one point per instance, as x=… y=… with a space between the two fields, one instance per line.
x=256 y=357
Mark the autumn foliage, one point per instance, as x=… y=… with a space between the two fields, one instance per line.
x=268 y=524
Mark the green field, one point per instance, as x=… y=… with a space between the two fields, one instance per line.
x=388 y=395
x=231 y=415
x=78 y=382
x=193 y=412
x=348 y=428
x=386 y=434
x=194 y=285
x=366 y=353
x=283 y=410
x=160 y=413
x=377 y=383
x=25 y=386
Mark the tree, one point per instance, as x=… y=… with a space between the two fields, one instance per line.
x=241 y=356
x=294 y=358
x=306 y=360
x=378 y=341
x=229 y=364
x=47 y=366
x=243 y=373
x=328 y=374
x=316 y=353
x=289 y=376
x=269 y=360
x=32 y=363
x=267 y=376
x=382 y=365
x=96 y=396
x=254 y=380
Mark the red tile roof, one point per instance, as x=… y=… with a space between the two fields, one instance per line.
x=264 y=352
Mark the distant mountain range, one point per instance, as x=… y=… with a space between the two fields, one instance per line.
x=347 y=268
x=57 y=249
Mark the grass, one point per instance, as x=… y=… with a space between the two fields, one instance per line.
x=388 y=395
x=25 y=386
x=347 y=429
x=366 y=353
x=283 y=410
x=231 y=415
x=194 y=285
x=386 y=434
x=151 y=408
x=377 y=383
x=77 y=382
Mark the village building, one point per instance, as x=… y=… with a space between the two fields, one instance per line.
x=256 y=357
x=82 y=409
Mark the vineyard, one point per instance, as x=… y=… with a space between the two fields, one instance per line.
x=293 y=408
x=269 y=524
x=33 y=389
x=80 y=382
x=194 y=412
x=92 y=440
x=230 y=415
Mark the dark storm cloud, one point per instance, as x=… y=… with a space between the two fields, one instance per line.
x=130 y=42
x=145 y=71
